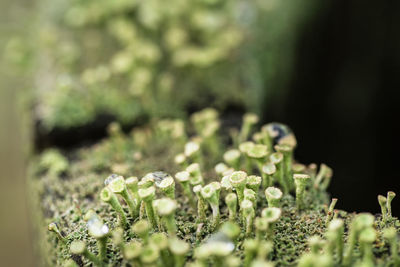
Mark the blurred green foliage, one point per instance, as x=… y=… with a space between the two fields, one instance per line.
x=161 y=58
x=128 y=58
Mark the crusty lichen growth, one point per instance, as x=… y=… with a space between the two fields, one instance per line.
x=284 y=221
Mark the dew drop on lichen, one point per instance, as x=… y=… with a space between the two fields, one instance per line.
x=110 y=178
x=280 y=133
x=159 y=176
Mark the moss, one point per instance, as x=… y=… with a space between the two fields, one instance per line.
x=64 y=198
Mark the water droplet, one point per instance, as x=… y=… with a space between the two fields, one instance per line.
x=280 y=133
x=110 y=178
x=159 y=176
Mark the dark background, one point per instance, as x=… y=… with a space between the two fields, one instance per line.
x=343 y=101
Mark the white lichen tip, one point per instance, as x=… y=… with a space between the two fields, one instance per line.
x=97 y=228
x=147 y=180
x=215 y=246
x=335 y=224
x=225 y=182
x=257 y=151
x=165 y=182
x=117 y=185
x=253 y=180
x=191 y=148
x=197 y=188
x=273 y=193
x=231 y=155
x=208 y=191
x=192 y=168
x=195 y=174
x=52 y=227
x=245 y=146
x=178 y=246
x=250 y=118
x=271 y=213
x=216 y=186
x=269 y=168
x=220 y=168
x=238 y=178
x=106 y=194
x=110 y=178
x=182 y=176
x=301 y=178
x=246 y=205
x=77 y=247
x=284 y=148
x=132 y=180
x=180 y=158
x=147 y=193
x=166 y=206
x=228 y=172
x=276 y=157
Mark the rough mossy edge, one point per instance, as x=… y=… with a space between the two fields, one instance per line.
x=66 y=192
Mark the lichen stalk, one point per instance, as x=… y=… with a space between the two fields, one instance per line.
x=231 y=203
x=301 y=181
x=109 y=197
x=201 y=204
x=147 y=195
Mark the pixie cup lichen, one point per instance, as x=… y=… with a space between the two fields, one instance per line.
x=232 y=158
x=131 y=252
x=109 y=197
x=196 y=177
x=100 y=231
x=253 y=182
x=273 y=196
x=211 y=193
x=301 y=181
x=147 y=195
x=167 y=186
x=142 y=229
x=231 y=202
x=251 y=210
x=201 y=203
x=118 y=186
x=238 y=181
x=276 y=158
x=179 y=249
x=166 y=209
x=268 y=172
x=53 y=227
x=183 y=179
x=248 y=214
x=249 y=120
x=78 y=247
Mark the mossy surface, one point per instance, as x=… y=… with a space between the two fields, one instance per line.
x=66 y=184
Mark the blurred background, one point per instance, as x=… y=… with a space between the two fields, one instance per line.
x=330 y=70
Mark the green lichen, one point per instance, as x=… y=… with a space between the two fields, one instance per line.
x=239 y=223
